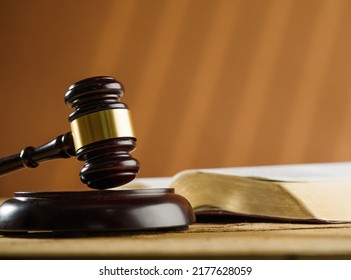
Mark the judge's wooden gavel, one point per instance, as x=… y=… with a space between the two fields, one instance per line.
x=101 y=135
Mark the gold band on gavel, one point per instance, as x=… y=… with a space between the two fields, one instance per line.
x=101 y=125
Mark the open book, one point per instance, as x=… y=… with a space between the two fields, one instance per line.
x=303 y=192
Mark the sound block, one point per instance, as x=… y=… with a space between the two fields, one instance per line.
x=95 y=211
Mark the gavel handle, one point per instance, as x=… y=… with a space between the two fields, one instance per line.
x=60 y=147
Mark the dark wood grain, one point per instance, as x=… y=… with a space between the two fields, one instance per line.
x=91 y=212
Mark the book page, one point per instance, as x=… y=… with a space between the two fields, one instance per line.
x=148 y=182
x=327 y=201
x=289 y=173
x=310 y=172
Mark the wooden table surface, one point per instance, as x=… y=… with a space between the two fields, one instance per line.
x=201 y=240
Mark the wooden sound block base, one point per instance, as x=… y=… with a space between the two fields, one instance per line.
x=95 y=211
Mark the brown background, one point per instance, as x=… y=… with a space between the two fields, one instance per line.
x=210 y=83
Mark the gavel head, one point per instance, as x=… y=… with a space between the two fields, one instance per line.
x=102 y=132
